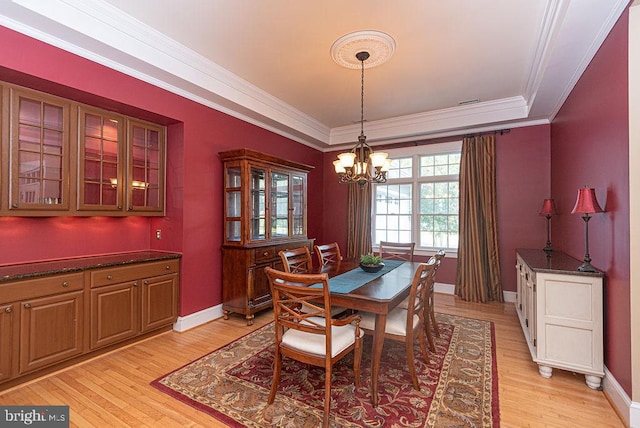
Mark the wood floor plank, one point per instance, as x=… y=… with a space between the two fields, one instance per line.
x=114 y=390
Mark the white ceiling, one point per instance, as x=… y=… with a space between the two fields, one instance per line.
x=268 y=61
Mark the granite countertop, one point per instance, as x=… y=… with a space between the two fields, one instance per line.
x=554 y=262
x=78 y=264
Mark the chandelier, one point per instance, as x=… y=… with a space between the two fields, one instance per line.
x=361 y=164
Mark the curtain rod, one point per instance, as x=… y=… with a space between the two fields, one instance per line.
x=446 y=138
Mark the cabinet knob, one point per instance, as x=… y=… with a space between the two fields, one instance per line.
x=135 y=284
x=167 y=267
x=14 y=205
x=8 y=309
x=65 y=284
x=27 y=305
x=109 y=277
x=266 y=253
x=146 y=282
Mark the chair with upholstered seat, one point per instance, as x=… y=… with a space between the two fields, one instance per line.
x=405 y=325
x=396 y=250
x=310 y=336
x=328 y=253
x=297 y=260
x=430 y=315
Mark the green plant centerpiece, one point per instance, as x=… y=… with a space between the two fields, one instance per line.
x=371 y=263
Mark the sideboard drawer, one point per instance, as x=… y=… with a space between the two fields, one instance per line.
x=264 y=254
x=118 y=274
x=39 y=287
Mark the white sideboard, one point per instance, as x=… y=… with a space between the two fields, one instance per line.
x=560 y=310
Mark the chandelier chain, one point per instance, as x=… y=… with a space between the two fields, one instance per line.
x=362 y=99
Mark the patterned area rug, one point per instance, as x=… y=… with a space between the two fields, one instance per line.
x=459 y=387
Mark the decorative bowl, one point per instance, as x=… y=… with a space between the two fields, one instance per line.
x=371 y=268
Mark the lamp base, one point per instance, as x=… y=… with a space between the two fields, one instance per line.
x=586 y=267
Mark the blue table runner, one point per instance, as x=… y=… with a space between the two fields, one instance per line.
x=349 y=281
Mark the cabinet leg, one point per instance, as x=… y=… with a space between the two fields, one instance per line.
x=593 y=382
x=250 y=319
x=545 y=371
x=225 y=314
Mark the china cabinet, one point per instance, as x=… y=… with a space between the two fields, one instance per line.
x=265 y=211
x=560 y=311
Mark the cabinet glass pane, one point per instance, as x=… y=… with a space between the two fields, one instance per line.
x=100 y=157
x=233 y=177
x=234 y=204
x=233 y=230
x=146 y=178
x=39 y=152
x=257 y=220
x=279 y=205
x=297 y=200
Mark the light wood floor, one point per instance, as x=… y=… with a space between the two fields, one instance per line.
x=113 y=390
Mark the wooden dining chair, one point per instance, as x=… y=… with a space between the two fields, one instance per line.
x=328 y=253
x=311 y=337
x=397 y=250
x=430 y=315
x=297 y=260
x=431 y=320
x=405 y=325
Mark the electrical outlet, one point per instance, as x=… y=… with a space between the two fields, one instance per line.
x=158 y=234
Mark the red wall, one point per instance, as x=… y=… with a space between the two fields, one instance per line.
x=590 y=146
x=196 y=134
x=523 y=182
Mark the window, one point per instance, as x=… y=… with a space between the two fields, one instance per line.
x=419 y=201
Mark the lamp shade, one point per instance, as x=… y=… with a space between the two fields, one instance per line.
x=586 y=202
x=548 y=207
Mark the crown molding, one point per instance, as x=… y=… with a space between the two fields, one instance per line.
x=95 y=30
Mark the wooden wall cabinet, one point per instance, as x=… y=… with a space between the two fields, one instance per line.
x=560 y=311
x=265 y=211
x=60 y=157
x=131 y=300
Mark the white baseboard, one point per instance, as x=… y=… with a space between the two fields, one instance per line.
x=439 y=287
x=198 y=318
x=629 y=410
x=509 y=296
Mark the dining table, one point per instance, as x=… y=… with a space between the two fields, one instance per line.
x=379 y=293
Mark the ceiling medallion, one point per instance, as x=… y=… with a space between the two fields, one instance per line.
x=380 y=46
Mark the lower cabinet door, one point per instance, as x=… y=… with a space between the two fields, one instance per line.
x=114 y=313
x=159 y=302
x=7 y=323
x=51 y=330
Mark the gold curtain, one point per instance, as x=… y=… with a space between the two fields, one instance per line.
x=478 y=278
x=359 y=221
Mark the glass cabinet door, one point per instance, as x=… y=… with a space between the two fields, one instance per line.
x=101 y=174
x=258 y=203
x=233 y=204
x=145 y=182
x=298 y=191
x=39 y=148
x=279 y=205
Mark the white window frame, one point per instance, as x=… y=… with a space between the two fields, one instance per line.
x=415 y=152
